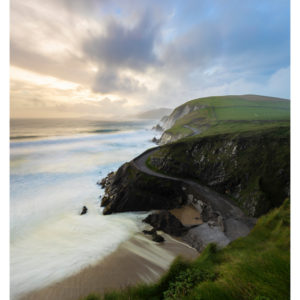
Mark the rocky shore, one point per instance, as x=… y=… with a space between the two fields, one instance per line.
x=132 y=189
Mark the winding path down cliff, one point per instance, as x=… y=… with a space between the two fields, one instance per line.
x=235 y=222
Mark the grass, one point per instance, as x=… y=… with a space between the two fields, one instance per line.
x=228 y=114
x=255 y=267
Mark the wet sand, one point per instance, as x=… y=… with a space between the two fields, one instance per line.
x=136 y=260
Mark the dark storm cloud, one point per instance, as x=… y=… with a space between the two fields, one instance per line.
x=122 y=46
x=107 y=82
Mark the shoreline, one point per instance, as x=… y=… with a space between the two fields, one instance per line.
x=137 y=260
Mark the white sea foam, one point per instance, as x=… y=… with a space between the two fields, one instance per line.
x=50 y=182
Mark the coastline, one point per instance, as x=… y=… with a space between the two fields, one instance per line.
x=137 y=260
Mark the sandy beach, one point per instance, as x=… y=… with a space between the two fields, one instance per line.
x=188 y=215
x=136 y=260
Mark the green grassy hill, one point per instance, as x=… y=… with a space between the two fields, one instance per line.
x=227 y=114
x=255 y=267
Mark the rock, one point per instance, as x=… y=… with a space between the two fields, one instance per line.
x=199 y=205
x=157 y=128
x=107 y=180
x=84 y=210
x=211 y=223
x=157 y=238
x=155 y=140
x=166 y=222
x=190 y=198
x=152 y=231
x=132 y=190
x=221 y=223
x=199 y=237
x=104 y=201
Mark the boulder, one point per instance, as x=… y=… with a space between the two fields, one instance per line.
x=152 y=231
x=157 y=238
x=84 y=210
x=157 y=128
x=155 y=140
x=166 y=222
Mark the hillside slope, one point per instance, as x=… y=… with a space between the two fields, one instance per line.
x=224 y=114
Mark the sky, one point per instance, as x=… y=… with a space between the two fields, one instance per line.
x=109 y=59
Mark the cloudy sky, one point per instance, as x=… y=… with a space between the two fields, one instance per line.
x=109 y=58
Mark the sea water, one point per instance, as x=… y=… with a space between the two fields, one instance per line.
x=54 y=167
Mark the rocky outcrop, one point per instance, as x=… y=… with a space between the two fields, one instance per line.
x=106 y=180
x=168 y=137
x=157 y=127
x=84 y=210
x=251 y=168
x=155 y=236
x=155 y=140
x=166 y=222
x=199 y=237
x=179 y=112
x=132 y=190
x=168 y=121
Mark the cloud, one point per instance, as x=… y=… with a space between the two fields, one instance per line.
x=154 y=53
x=69 y=68
x=107 y=82
x=46 y=101
x=122 y=46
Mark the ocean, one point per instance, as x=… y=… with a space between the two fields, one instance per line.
x=54 y=167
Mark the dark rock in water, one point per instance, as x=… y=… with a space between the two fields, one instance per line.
x=157 y=238
x=155 y=140
x=152 y=231
x=166 y=222
x=84 y=210
x=157 y=128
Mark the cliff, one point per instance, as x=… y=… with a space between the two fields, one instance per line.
x=236 y=145
x=132 y=190
x=252 y=168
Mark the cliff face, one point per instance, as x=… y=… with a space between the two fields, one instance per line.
x=178 y=113
x=167 y=138
x=253 y=168
x=131 y=190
